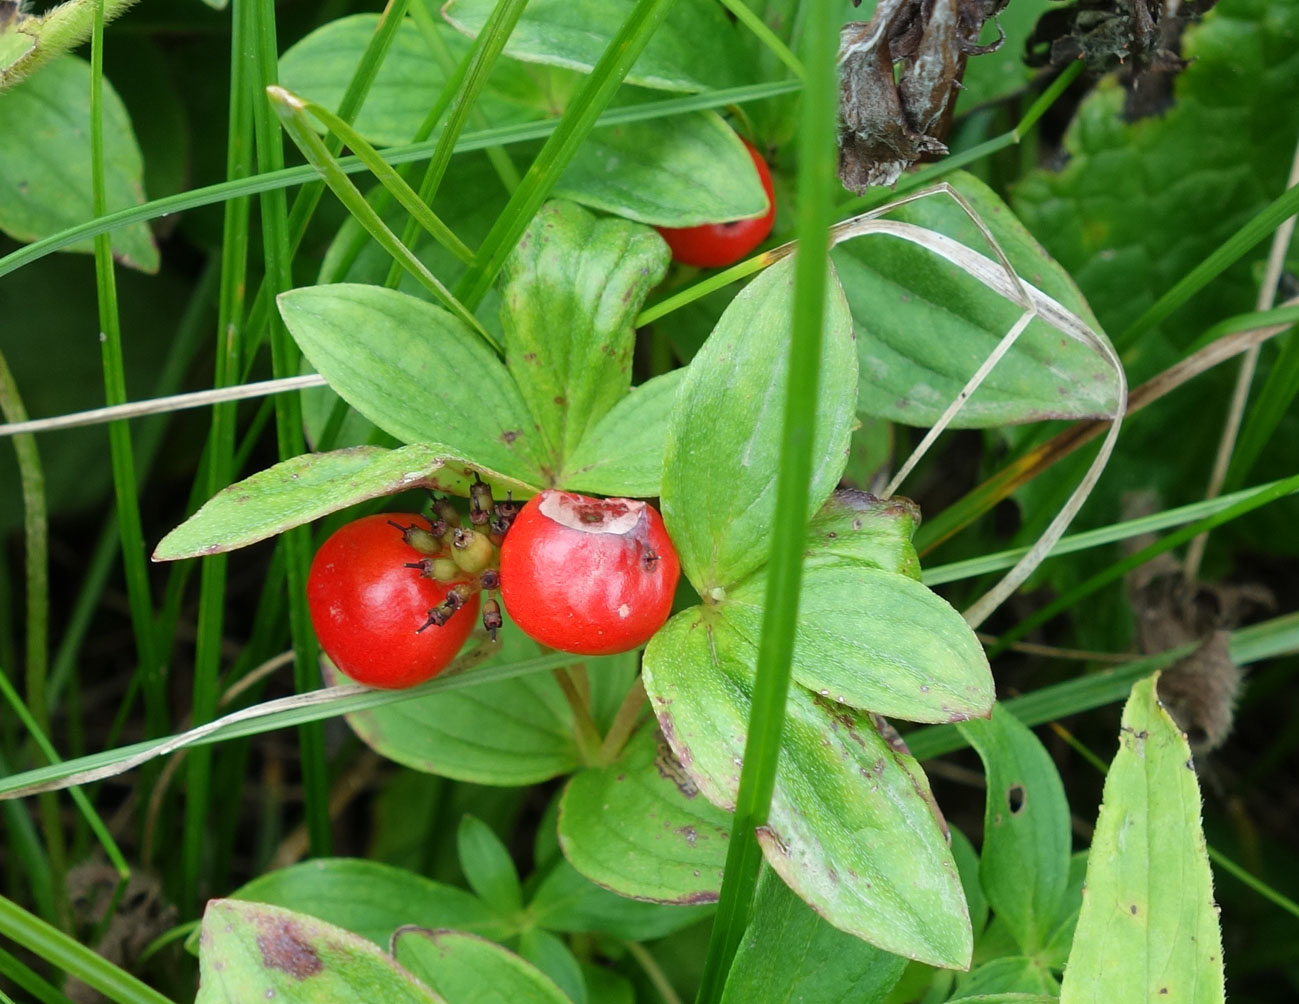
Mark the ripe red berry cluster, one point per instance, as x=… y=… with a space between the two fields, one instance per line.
x=393 y=598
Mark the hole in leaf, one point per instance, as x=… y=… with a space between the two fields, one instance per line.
x=1015 y=798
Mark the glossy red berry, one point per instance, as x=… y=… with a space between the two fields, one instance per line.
x=714 y=245
x=370 y=607
x=589 y=576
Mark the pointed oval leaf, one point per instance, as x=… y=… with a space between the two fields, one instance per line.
x=1024 y=866
x=45 y=165
x=554 y=958
x=851 y=829
x=488 y=867
x=923 y=326
x=695 y=49
x=1148 y=925
x=371 y=899
x=250 y=951
x=879 y=641
x=415 y=371
x=570 y=291
x=622 y=454
x=790 y=954
x=641 y=827
x=681 y=171
x=720 y=467
x=305 y=488
x=569 y=902
x=466 y=969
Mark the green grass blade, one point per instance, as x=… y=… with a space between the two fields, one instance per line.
x=291 y=111
x=67 y=954
x=323 y=706
x=134 y=562
x=987 y=563
x=816 y=152
x=41 y=990
x=1273 y=404
x=573 y=127
x=1279 y=636
x=486 y=49
x=287 y=177
x=1253 y=499
x=288 y=415
x=219 y=456
x=413 y=203
x=765 y=35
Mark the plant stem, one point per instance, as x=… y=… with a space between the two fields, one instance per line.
x=585 y=732
x=649 y=965
x=624 y=723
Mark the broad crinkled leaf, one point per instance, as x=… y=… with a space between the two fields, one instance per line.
x=45 y=161
x=1024 y=865
x=415 y=371
x=371 y=899
x=253 y=952
x=696 y=48
x=1139 y=204
x=570 y=291
x=720 y=468
x=466 y=969
x=304 y=488
x=790 y=954
x=852 y=827
x=681 y=171
x=1149 y=926
x=879 y=641
x=923 y=326
x=622 y=454
x=641 y=827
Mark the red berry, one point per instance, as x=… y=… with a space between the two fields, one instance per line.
x=713 y=245
x=368 y=605
x=589 y=576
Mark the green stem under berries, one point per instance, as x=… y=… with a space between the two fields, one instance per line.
x=584 y=729
x=628 y=717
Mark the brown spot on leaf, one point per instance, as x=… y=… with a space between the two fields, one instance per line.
x=283 y=947
x=510 y=435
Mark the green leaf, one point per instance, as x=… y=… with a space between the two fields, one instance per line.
x=512 y=733
x=45 y=165
x=877 y=640
x=570 y=292
x=719 y=471
x=249 y=951
x=681 y=171
x=967 y=863
x=1139 y=204
x=416 y=372
x=791 y=954
x=857 y=529
x=1010 y=974
x=371 y=899
x=552 y=957
x=694 y=50
x=1024 y=866
x=641 y=828
x=852 y=827
x=311 y=486
x=622 y=454
x=1011 y=998
x=923 y=326
x=488 y=867
x=567 y=901
x=318 y=67
x=1149 y=925
x=467 y=969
